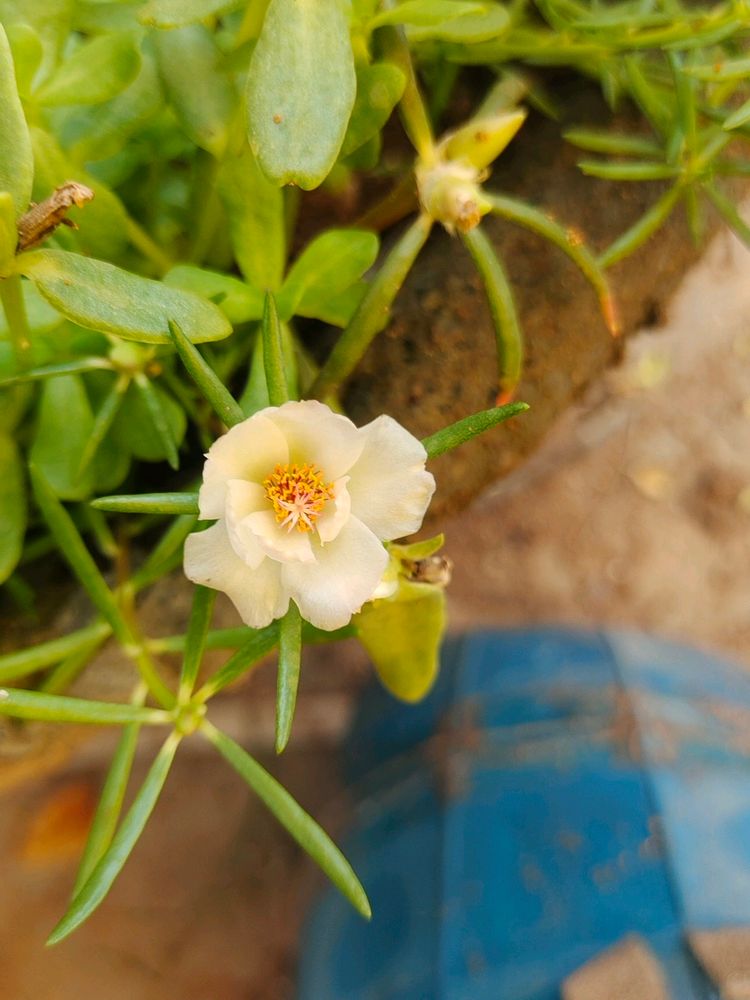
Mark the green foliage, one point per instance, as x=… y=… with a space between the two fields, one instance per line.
x=16 y=165
x=12 y=506
x=402 y=635
x=99 y=296
x=300 y=95
x=194 y=123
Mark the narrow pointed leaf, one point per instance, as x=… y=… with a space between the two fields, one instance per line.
x=464 y=430
x=739 y=117
x=209 y=383
x=16 y=160
x=301 y=89
x=273 y=357
x=14 y=666
x=232 y=638
x=58 y=708
x=614 y=143
x=103 y=422
x=729 y=213
x=149 y=503
x=159 y=419
x=195 y=641
x=642 y=230
x=311 y=837
x=258 y=645
x=103 y=297
x=110 y=865
x=632 y=171
x=167 y=554
x=108 y=810
x=53 y=371
x=290 y=653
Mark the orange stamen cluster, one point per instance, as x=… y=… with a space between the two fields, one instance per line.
x=297 y=494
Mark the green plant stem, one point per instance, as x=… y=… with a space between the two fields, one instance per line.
x=273 y=357
x=508 y=334
x=411 y=106
x=373 y=311
x=11 y=295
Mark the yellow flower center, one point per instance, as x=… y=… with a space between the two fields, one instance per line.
x=297 y=494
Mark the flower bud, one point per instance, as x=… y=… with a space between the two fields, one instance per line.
x=451 y=193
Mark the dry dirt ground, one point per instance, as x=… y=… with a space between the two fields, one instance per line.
x=635 y=512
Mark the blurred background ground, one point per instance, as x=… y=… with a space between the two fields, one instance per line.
x=635 y=512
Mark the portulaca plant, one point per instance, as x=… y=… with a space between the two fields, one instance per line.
x=160 y=301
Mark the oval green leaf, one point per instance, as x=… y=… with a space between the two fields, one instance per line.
x=201 y=94
x=103 y=297
x=329 y=265
x=301 y=89
x=16 y=160
x=379 y=89
x=58 y=455
x=95 y=72
x=402 y=635
x=238 y=301
x=257 y=228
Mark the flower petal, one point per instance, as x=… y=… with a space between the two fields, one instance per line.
x=344 y=575
x=388 y=485
x=257 y=594
x=249 y=450
x=242 y=499
x=335 y=513
x=317 y=435
x=277 y=542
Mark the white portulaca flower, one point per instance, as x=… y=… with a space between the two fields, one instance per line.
x=303 y=501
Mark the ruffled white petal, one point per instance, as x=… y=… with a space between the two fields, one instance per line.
x=317 y=435
x=249 y=450
x=279 y=542
x=257 y=593
x=336 y=512
x=243 y=499
x=344 y=575
x=388 y=485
